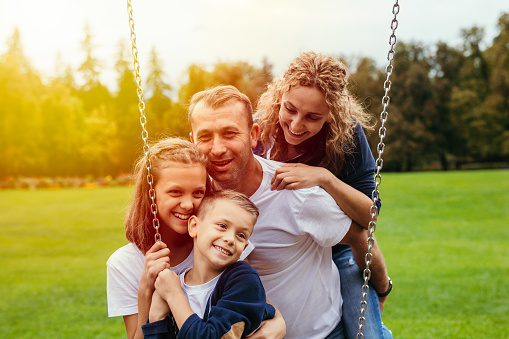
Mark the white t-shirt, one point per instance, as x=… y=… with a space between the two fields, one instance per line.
x=293 y=238
x=124 y=268
x=198 y=295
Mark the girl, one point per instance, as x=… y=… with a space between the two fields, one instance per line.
x=308 y=118
x=180 y=182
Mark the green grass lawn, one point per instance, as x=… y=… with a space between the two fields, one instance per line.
x=443 y=236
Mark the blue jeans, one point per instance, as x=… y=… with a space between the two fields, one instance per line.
x=351 y=291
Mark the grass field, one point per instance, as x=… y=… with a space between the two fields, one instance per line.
x=444 y=237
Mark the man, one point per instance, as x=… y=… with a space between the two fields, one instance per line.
x=296 y=228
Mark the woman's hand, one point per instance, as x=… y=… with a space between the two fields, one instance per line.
x=157 y=259
x=295 y=176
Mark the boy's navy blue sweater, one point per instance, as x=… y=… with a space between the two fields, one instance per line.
x=237 y=306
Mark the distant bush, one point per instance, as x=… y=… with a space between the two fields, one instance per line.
x=64 y=182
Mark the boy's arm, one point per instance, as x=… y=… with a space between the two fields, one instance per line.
x=169 y=291
x=239 y=310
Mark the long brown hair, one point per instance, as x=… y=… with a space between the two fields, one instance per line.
x=138 y=222
x=336 y=139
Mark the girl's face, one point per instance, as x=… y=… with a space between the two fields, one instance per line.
x=302 y=114
x=179 y=192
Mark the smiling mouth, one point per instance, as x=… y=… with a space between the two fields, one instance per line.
x=221 y=165
x=181 y=216
x=294 y=133
x=222 y=250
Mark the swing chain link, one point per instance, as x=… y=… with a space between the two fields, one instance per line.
x=375 y=195
x=143 y=122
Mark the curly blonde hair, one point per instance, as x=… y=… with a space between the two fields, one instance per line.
x=336 y=139
x=138 y=222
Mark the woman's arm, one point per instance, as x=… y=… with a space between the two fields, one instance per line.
x=353 y=202
x=357 y=238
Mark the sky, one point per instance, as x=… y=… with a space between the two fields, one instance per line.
x=211 y=31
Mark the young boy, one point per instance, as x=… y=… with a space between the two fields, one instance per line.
x=219 y=296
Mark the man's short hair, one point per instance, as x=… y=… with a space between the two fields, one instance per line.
x=239 y=199
x=218 y=96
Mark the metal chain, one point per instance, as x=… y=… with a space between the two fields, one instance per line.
x=375 y=196
x=143 y=122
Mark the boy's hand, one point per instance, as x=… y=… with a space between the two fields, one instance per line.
x=167 y=284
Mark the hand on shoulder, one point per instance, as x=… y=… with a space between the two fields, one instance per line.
x=296 y=176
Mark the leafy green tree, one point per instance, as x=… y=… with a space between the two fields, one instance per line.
x=497 y=103
x=160 y=110
x=124 y=113
x=412 y=112
x=93 y=92
x=446 y=65
x=20 y=115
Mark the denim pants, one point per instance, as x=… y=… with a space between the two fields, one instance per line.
x=351 y=291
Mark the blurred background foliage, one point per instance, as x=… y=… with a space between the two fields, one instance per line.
x=449 y=106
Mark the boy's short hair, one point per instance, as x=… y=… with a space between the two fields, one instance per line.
x=239 y=199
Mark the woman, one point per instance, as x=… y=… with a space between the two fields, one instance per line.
x=308 y=118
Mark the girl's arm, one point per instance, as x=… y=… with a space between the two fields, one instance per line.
x=157 y=259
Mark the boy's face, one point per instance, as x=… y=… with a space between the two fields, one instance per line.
x=221 y=234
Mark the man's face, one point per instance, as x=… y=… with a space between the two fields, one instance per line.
x=223 y=135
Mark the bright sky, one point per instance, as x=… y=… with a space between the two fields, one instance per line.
x=208 y=31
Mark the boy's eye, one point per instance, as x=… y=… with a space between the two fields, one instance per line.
x=220 y=225
x=241 y=236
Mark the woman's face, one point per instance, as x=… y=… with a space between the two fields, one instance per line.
x=302 y=114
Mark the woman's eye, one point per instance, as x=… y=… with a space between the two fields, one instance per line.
x=290 y=110
x=223 y=226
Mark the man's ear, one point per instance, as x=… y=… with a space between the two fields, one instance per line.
x=192 y=225
x=255 y=130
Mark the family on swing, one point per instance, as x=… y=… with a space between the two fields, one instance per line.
x=263 y=218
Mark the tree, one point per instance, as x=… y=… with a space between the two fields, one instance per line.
x=497 y=103
x=124 y=114
x=93 y=93
x=159 y=106
x=446 y=65
x=412 y=113
x=20 y=115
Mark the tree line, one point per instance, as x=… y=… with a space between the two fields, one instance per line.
x=449 y=106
